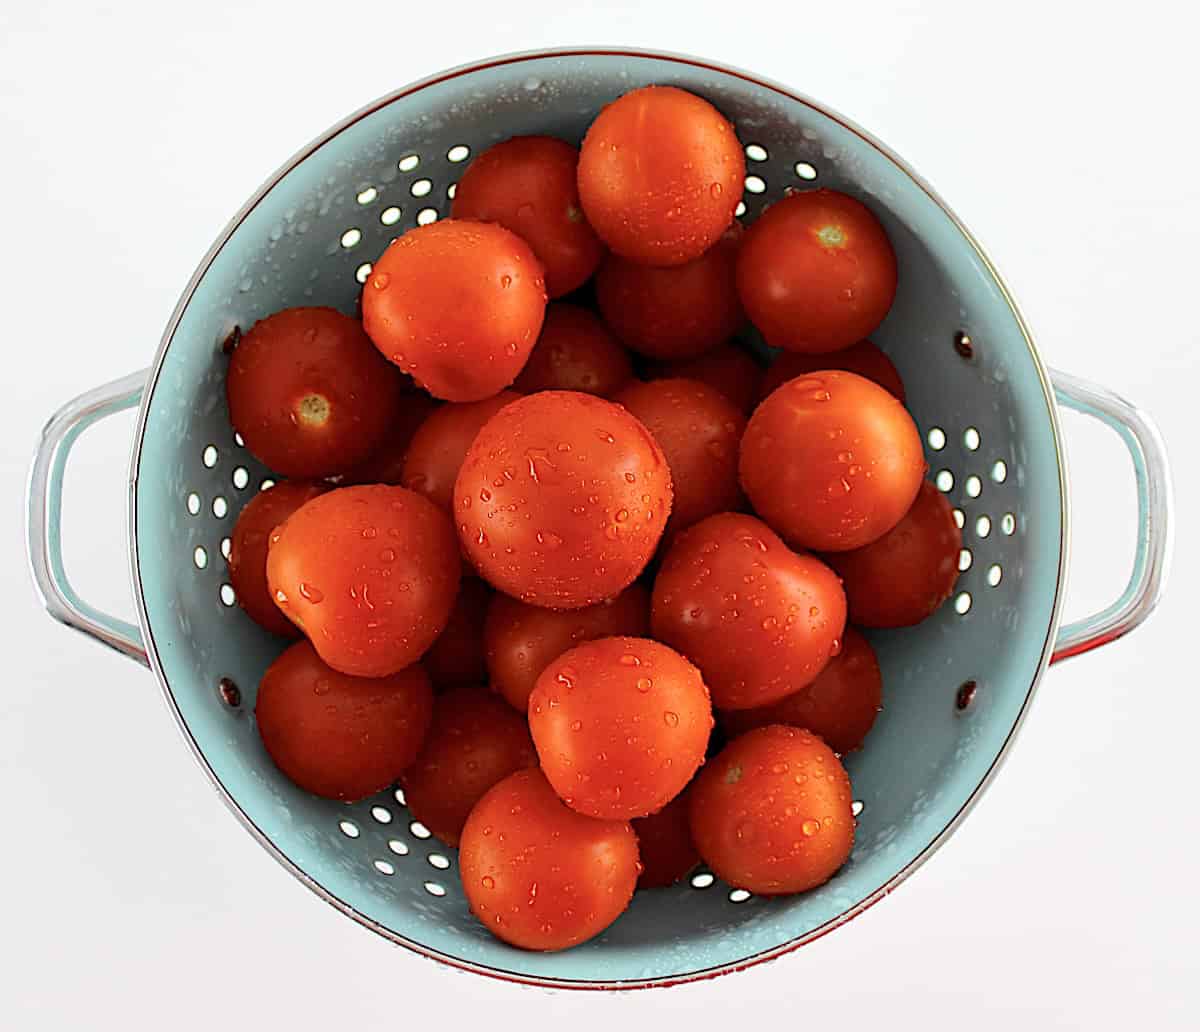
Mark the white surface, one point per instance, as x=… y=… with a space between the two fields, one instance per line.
x=1067 y=142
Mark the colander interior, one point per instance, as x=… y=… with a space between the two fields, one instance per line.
x=990 y=444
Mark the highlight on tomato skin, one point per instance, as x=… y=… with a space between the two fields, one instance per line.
x=521 y=640
x=562 y=499
x=337 y=736
x=539 y=875
x=772 y=812
x=248 y=547
x=308 y=394
x=665 y=844
x=474 y=742
x=863 y=358
x=575 y=352
x=839 y=706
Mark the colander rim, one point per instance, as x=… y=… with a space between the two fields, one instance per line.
x=265 y=841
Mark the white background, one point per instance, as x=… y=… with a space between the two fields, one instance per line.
x=1066 y=138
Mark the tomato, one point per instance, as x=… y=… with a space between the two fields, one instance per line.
x=729 y=369
x=520 y=641
x=474 y=742
x=677 y=312
x=816 y=272
x=863 y=358
x=338 y=736
x=665 y=844
x=755 y=617
x=456 y=657
x=369 y=573
x=440 y=444
x=660 y=174
x=308 y=393
x=458 y=305
x=771 y=813
x=840 y=705
x=248 y=550
x=385 y=465
x=699 y=432
x=904 y=576
x=831 y=461
x=562 y=499
x=575 y=352
x=620 y=725
x=538 y=874
x=528 y=185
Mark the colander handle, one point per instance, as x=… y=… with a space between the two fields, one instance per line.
x=44 y=514
x=1155 y=529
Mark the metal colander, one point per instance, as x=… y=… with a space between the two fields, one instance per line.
x=955 y=688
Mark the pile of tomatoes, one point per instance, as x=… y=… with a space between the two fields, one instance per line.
x=579 y=573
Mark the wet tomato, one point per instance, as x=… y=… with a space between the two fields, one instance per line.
x=677 y=312
x=456 y=657
x=308 y=393
x=755 y=617
x=816 y=272
x=436 y=452
x=528 y=185
x=474 y=742
x=338 y=736
x=520 y=640
x=699 y=431
x=539 y=875
x=458 y=305
x=620 y=725
x=248 y=550
x=840 y=705
x=385 y=465
x=863 y=358
x=665 y=844
x=576 y=352
x=831 y=461
x=562 y=499
x=369 y=573
x=771 y=813
x=660 y=174
x=729 y=369
x=904 y=576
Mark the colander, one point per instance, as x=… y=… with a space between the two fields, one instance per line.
x=956 y=688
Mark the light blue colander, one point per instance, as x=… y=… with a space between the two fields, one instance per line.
x=975 y=386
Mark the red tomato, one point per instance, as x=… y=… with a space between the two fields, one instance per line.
x=840 y=705
x=660 y=174
x=439 y=446
x=771 y=813
x=369 y=573
x=308 y=393
x=575 y=352
x=729 y=369
x=385 y=465
x=538 y=874
x=831 y=461
x=562 y=499
x=475 y=742
x=528 y=185
x=863 y=358
x=520 y=641
x=816 y=272
x=699 y=432
x=677 y=312
x=248 y=551
x=620 y=725
x=338 y=736
x=665 y=844
x=755 y=617
x=457 y=655
x=458 y=305
x=901 y=578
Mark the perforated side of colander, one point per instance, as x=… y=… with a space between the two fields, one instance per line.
x=954 y=688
